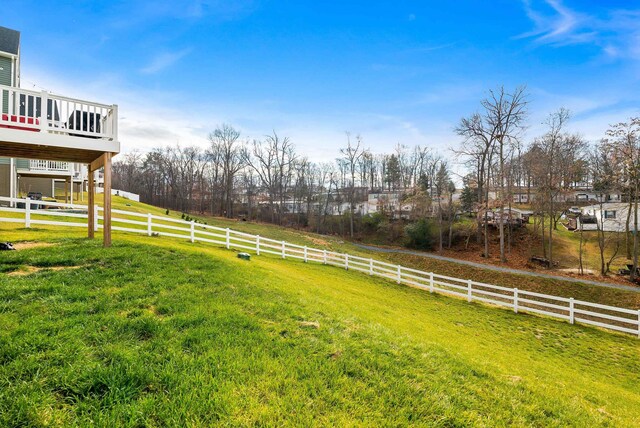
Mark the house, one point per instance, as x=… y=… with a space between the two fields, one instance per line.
x=610 y=217
x=389 y=202
x=48 y=139
x=513 y=217
x=582 y=193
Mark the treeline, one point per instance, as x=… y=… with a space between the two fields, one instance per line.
x=269 y=180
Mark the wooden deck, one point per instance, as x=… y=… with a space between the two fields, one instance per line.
x=39 y=125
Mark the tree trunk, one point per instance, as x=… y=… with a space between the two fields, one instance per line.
x=551 y=221
x=581 y=237
x=635 y=236
x=503 y=258
x=440 y=225
x=627 y=228
x=544 y=244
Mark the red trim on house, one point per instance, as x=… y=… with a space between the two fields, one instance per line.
x=20 y=119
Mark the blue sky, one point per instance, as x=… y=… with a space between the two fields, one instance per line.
x=394 y=72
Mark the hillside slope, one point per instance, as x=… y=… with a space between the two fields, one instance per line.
x=172 y=333
x=581 y=291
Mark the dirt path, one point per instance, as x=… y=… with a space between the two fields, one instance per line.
x=499 y=268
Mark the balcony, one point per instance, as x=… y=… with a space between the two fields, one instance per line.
x=44 y=165
x=72 y=129
x=59 y=170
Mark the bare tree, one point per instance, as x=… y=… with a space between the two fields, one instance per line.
x=624 y=145
x=351 y=157
x=225 y=141
x=488 y=134
x=556 y=153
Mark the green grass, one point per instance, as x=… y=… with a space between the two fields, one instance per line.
x=582 y=291
x=169 y=333
x=566 y=249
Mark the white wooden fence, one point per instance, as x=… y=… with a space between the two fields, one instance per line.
x=568 y=309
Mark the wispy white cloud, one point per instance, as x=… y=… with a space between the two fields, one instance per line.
x=555 y=23
x=616 y=32
x=164 y=60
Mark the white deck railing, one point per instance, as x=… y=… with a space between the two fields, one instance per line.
x=45 y=165
x=563 y=308
x=44 y=112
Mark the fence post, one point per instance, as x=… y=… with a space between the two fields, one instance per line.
x=258 y=245
x=469 y=291
x=305 y=253
x=399 y=275
x=95 y=215
x=193 y=232
x=430 y=282
x=324 y=257
x=515 y=300
x=27 y=212
x=227 y=239
x=346 y=261
x=283 y=250
x=370 y=266
x=149 y=231
x=571 y=311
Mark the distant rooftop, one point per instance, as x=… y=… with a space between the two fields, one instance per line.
x=9 y=40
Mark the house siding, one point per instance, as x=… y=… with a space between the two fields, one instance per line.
x=6 y=80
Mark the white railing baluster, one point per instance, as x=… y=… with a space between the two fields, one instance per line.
x=324 y=258
x=228 y=239
x=515 y=300
x=44 y=109
x=346 y=261
x=283 y=250
x=470 y=291
x=149 y=224
x=258 y=245
x=370 y=266
x=399 y=279
x=193 y=232
x=431 y=282
x=305 y=253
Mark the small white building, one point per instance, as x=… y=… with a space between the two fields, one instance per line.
x=610 y=217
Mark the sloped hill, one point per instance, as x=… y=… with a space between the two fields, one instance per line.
x=581 y=291
x=168 y=333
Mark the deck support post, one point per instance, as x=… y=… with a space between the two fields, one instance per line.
x=91 y=210
x=104 y=161
x=106 y=223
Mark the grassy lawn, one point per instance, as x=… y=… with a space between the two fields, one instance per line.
x=159 y=332
x=566 y=249
x=621 y=298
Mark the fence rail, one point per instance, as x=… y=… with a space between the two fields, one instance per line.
x=564 y=308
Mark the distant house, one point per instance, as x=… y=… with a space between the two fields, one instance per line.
x=582 y=193
x=610 y=217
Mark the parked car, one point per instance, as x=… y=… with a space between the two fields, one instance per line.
x=574 y=210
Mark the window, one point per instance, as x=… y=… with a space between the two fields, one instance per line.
x=609 y=214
